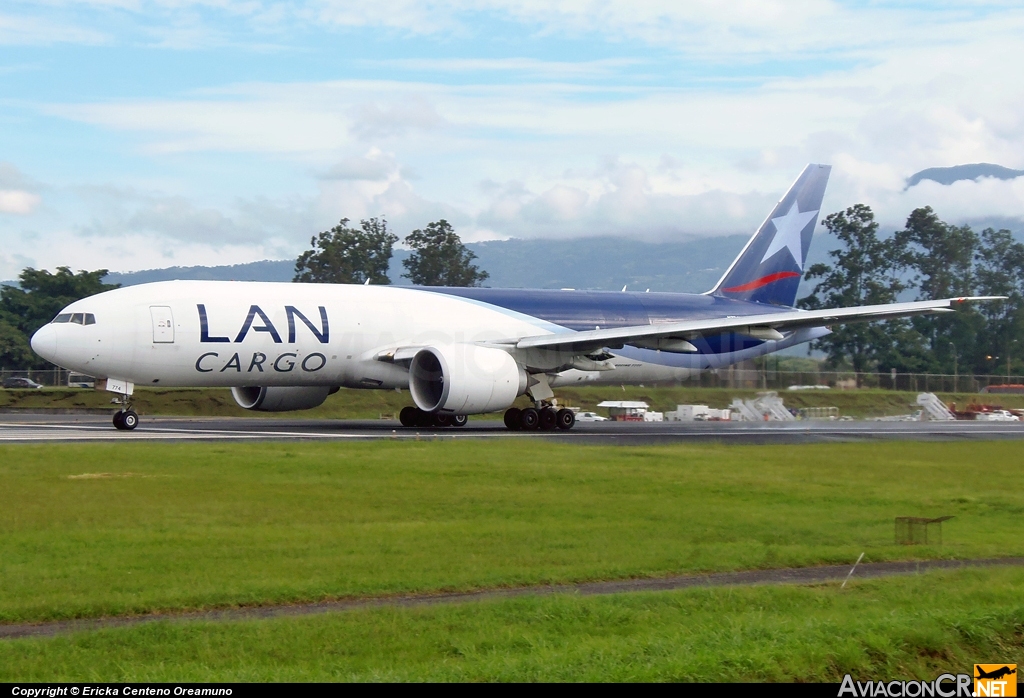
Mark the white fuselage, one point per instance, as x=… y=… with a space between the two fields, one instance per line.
x=154 y=334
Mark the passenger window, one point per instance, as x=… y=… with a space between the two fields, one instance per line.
x=63 y=317
x=78 y=319
x=90 y=319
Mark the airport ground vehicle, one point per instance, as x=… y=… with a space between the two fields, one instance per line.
x=21 y=383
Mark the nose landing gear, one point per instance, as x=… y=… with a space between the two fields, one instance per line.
x=126 y=418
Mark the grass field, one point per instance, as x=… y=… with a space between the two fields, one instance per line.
x=92 y=530
x=912 y=627
x=372 y=404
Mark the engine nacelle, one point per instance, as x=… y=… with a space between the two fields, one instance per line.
x=464 y=379
x=280 y=399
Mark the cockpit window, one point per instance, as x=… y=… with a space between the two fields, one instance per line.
x=76 y=318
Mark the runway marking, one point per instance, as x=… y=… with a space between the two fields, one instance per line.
x=791 y=575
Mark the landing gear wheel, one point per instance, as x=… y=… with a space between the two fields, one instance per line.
x=529 y=419
x=512 y=418
x=408 y=416
x=442 y=420
x=424 y=420
x=566 y=419
x=548 y=419
x=126 y=421
x=459 y=420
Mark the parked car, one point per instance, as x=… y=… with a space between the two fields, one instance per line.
x=21 y=383
x=997 y=416
x=590 y=417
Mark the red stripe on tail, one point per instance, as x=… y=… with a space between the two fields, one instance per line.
x=763 y=281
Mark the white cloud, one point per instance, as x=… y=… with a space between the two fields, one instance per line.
x=18 y=202
x=16 y=30
x=373 y=166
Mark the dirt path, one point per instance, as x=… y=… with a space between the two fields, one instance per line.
x=795 y=575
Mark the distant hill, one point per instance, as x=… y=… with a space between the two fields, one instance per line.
x=266 y=270
x=948 y=175
x=603 y=263
x=593 y=263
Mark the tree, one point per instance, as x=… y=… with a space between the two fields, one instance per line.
x=865 y=271
x=942 y=257
x=14 y=349
x=440 y=259
x=344 y=255
x=999 y=271
x=38 y=297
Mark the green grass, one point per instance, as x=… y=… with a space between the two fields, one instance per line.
x=912 y=627
x=173 y=526
x=373 y=404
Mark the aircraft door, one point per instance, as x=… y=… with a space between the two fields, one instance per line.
x=163 y=324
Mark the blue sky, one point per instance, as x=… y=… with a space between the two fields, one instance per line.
x=145 y=133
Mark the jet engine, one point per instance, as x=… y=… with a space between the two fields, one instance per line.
x=280 y=399
x=464 y=379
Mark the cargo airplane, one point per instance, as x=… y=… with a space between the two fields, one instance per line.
x=459 y=351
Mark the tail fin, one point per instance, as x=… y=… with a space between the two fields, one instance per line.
x=769 y=268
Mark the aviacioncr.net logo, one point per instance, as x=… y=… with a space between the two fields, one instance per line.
x=945 y=686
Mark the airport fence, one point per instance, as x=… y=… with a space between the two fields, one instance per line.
x=49 y=377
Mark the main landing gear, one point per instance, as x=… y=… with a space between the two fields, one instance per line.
x=546 y=418
x=415 y=417
x=126 y=418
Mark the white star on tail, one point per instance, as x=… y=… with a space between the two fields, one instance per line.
x=787 y=234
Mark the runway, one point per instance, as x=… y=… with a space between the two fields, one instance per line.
x=53 y=428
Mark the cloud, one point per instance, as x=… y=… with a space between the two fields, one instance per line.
x=621 y=199
x=521 y=67
x=22 y=30
x=373 y=166
x=18 y=202
x=373 y=120
x=118 y=212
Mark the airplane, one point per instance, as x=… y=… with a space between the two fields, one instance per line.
x=994 y=674
x=459 y=351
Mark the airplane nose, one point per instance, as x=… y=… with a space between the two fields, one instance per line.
x=44 y=342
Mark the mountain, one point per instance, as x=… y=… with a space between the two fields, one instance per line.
x=595 y=263
x=266 y=270
x=948 y=175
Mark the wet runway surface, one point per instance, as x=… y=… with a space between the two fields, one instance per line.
x=52 y=428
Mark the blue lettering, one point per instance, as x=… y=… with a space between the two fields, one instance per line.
x=199 y=361
x=268 y=326
x=257 y=361
x=204 y=328
x=234 y=363
x=291 y=364
x=292 y=313
x=321 y=357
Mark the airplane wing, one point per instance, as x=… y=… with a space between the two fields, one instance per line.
x=766 y=326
